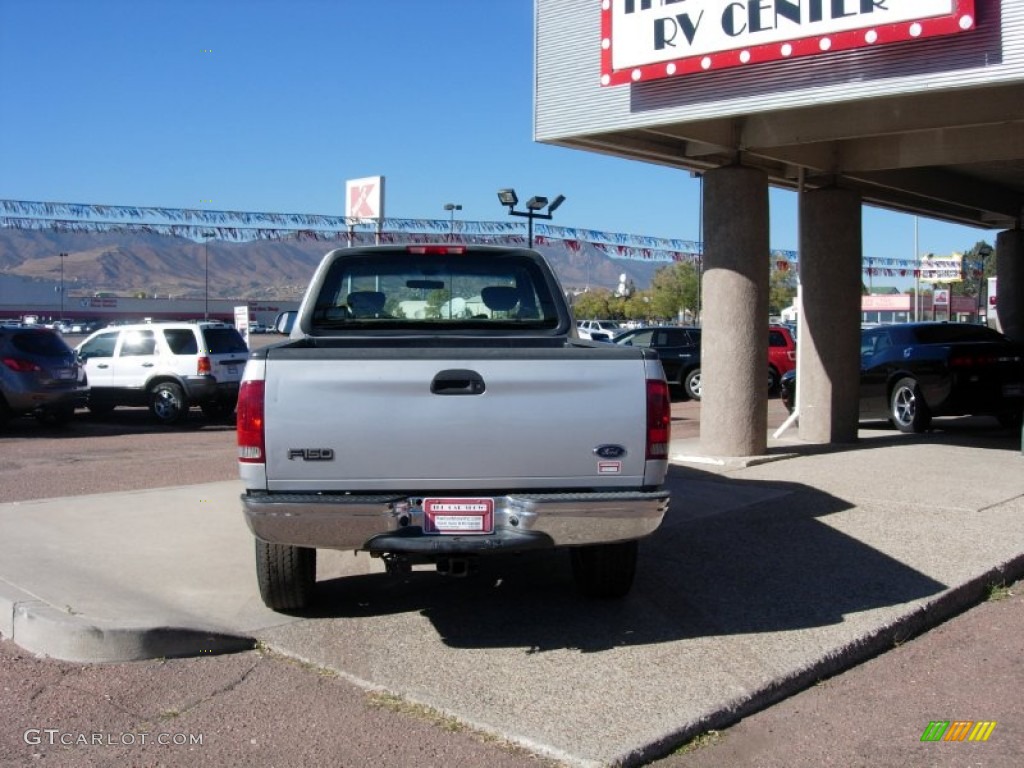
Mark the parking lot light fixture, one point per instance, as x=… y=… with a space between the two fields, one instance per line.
x=452 y=208
x=534 y=207
x=508 y=197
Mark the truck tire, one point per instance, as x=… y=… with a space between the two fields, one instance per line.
x=58 y=416
x=604 y=570
x=219 y=410
x=286 y=575
x=167 y=403
x=100 y=407
x=907 y=408
x=691 y=384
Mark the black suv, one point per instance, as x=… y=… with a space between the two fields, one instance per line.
x=679 y=350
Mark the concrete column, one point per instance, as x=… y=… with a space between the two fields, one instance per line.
x=734 y=342
x=828 y=380
x=1010 y=283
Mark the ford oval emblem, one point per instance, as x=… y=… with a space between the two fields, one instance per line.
x=610 y=451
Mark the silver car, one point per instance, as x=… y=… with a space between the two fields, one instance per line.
x=39 y=375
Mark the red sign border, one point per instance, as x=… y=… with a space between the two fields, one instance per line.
x=962 y=19
x=486 y=517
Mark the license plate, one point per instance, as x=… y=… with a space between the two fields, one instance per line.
x=232 y=369
x=64 y=373
x=458 y=516
x=1013 y=390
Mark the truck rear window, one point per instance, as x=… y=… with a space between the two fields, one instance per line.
x=398 y=290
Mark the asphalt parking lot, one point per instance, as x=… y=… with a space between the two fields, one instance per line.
x=612 y=673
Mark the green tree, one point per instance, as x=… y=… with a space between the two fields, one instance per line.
x=435 y=300
x=592 y=305
x=781 y=290
x=674 y=289
x=973 y=284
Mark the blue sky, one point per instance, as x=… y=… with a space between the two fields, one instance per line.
x=271 y=106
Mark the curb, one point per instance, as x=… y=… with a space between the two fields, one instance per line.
x=920 y=619
x=43 y=630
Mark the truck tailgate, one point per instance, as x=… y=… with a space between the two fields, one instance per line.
x=451 y=419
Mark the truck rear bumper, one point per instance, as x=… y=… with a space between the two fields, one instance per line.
x=394 y=523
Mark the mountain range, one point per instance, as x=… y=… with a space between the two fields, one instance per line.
x=166 y=265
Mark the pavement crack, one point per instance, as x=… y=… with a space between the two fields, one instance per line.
x=226 y=688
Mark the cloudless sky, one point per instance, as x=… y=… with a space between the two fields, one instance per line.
x=253 y=105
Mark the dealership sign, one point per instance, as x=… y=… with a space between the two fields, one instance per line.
x=645 y=40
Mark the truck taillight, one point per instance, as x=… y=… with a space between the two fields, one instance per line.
x=203 y=366
x=435 y=250
x=659 y=419
x=251 y=438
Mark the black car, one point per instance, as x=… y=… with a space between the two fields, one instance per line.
x=914 y=371
x=679 y=350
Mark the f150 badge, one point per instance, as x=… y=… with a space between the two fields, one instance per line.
x=311 y=454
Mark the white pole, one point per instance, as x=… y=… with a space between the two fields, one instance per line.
x=801 y=323
x=917 y=276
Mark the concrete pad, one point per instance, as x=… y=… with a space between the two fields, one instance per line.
x=763 y=579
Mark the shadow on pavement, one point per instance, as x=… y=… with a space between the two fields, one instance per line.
x=732 y=558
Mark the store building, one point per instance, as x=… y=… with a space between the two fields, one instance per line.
x=911 y=105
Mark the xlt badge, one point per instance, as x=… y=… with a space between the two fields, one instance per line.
x=311 y=454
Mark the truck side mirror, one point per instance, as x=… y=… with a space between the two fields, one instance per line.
x=285 y=321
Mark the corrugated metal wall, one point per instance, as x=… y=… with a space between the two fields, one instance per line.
x=570 y=100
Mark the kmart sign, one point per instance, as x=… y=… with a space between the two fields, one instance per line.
x=651 y=39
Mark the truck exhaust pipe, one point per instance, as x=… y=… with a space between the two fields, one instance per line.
x=457 y=567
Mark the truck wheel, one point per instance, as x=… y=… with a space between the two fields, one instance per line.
x=604 y=570
x=56 y=416
x=219 y=410
x=691 y=384
x=167 y=403
x=1011 y=420
x=286 y=575
x=773 y=381
x=100 y=407
x=907 y=408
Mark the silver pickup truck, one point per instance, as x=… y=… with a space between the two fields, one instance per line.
x=434 y=405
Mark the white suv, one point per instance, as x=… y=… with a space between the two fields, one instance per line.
x=598 y=330
x=168 y=367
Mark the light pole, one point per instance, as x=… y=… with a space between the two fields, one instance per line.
x=206 y=271
x=452 y=208
x=534 y=206
x=983 y=253
x=62 y=257
x=700 y=245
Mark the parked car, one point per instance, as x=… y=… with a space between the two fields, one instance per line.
x=914 y=371
x=598 y=330
x=168 y=367
x=39 y=375
x=679 y=350
x=781 y=354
